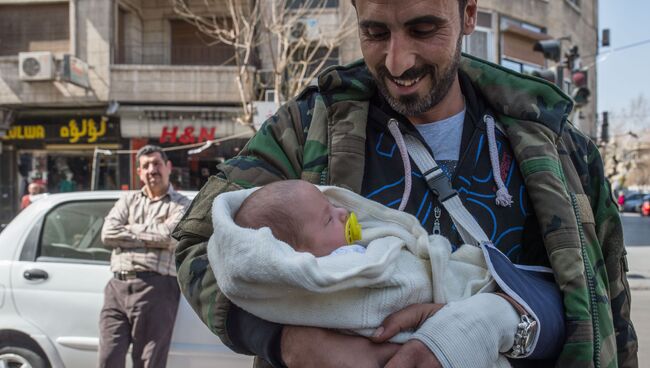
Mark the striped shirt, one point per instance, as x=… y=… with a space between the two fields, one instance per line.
x=139 y=231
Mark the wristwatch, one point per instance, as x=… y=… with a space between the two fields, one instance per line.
x=526 y=330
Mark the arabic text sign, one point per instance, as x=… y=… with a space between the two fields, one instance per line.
x=64 y=130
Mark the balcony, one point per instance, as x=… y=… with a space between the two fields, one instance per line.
x=157 y=73
x=174 y=83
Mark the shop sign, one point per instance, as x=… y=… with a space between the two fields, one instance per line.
x=75 y=71
x=65 y=130
x=88 y=129
x=189 y=134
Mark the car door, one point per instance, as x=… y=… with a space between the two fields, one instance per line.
x=58 y=283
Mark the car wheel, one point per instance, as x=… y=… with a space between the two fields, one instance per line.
x=14 y=357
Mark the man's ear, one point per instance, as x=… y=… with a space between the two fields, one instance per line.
x=469 y=19
x=169 y=164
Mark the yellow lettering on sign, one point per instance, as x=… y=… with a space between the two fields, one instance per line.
x=25 y=132
x=93 y=133
x=88 y=129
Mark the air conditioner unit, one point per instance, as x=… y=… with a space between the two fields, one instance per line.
x=305 y=28
x=36 y=66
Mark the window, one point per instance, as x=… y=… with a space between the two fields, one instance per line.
x=519 y=66
x=312 y=58
x=120 y=51
x=517 y=42
x=575 y=3
x=481 y=42
x=312 y=4
x=34 y=27
x=72 y=232
x=190 y=47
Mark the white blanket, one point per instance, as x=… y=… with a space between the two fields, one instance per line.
x=403 y=265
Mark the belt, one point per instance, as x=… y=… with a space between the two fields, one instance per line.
x=129 y=275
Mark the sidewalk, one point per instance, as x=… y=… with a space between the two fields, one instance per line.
x=638 y=259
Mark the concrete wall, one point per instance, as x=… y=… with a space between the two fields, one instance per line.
x=187 y=84
x=93 y=38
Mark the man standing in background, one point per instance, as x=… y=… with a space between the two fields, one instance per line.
x=141 y=300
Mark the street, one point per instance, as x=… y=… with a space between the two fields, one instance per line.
x=637 y=238
x=636 y=229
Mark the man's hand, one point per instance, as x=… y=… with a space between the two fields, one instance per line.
x=409 y=318
x=414 y=354
x=308 y=347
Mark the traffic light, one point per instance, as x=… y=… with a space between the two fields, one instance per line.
x=550 y=48
x=604 y=130
x=581 y=92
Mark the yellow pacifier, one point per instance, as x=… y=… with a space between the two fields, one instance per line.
x=352 y=229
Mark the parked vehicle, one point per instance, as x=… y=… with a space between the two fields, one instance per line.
x=632 y=202
x=645 y=206
x=53 y=269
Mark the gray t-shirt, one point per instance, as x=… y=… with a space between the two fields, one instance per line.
x=443 y=137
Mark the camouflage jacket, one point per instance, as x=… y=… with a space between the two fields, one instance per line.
x=320 y=135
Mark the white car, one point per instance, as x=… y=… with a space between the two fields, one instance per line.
x=53 y=269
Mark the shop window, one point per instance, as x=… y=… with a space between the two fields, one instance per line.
x=34 y=27
x=72 y=232
x=190 y=47
x=67 y=171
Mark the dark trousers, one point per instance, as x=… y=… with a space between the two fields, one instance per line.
x=139 y=311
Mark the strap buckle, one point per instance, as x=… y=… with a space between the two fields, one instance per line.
x=439 y=183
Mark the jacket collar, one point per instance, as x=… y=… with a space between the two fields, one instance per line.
x=507 y=93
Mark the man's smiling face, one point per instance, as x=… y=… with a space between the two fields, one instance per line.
x=412 y=48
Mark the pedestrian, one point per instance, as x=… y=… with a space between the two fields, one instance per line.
x=141 y=300
x=35 y=191
x=533 y=182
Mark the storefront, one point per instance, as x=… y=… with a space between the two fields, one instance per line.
x=185 y=130
x=56 y=150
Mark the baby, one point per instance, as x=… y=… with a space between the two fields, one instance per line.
x=401 y=265
x=300 y=215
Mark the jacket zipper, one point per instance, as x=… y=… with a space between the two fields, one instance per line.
x=590 y=283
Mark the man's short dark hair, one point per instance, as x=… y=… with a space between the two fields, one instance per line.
x=461 y=6
x=148 y=150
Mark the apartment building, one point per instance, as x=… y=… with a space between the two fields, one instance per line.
x=83 y=83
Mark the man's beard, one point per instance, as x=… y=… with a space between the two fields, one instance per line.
x=414 y=104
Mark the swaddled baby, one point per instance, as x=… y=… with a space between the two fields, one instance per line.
x=300 y=215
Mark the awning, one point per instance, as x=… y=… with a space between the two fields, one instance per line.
x=180 y=124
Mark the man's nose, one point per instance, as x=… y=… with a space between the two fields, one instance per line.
x=399 y=56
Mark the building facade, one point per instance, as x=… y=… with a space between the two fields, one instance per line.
x=507 y=31
x=85 y=83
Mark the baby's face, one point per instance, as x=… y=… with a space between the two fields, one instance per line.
x=323 y=223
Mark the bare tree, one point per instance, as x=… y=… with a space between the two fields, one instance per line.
x=633 y=118
x=279 y=44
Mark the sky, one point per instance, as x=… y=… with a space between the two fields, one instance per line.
x=624 y=74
